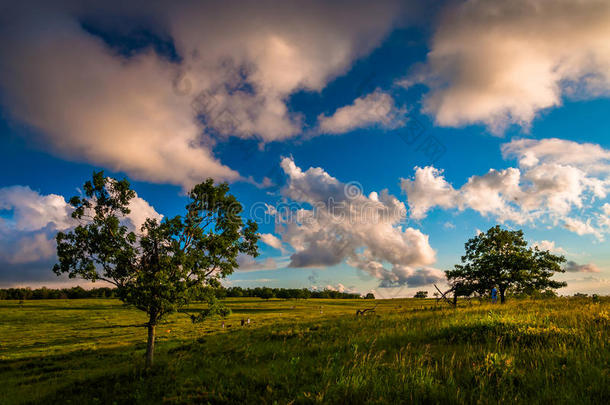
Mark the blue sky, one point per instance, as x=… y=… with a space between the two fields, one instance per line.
x=359 y=100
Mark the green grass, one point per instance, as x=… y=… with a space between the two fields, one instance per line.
x=307 y=351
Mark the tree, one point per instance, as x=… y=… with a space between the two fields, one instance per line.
x=421 y=294
x=167 y=264
x=304 y=293
x=501 y=258
x=267 y=293
x=369 y=296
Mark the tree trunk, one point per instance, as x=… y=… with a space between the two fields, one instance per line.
x=502 y=298
x=150 y=348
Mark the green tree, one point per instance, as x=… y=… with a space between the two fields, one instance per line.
x=267 y=293
x=369 y=296
x=421 y=294
x=501 y=258
x=167 y=264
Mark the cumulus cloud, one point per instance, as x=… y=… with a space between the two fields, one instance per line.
x=557 y=181
x=30 y=222
x=574 y=267
x=580 y=227
x=550 y=246
x=272 y=240
x=32 y=211
x=140 y=211
x=414 y=277
x=248 y=263
x=345 y=225
x=587 y=156
x=377 y=108
x=158 y=119
x=338 y=287
x=91 y=105
x=428 y=189
x=29 y=248
x=500 y=62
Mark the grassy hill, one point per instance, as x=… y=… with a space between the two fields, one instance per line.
x=307 y=351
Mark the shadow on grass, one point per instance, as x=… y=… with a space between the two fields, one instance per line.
x=522 y=334
x=60 y=308
x=239 y=310
x=83 y=375
x=138 y=325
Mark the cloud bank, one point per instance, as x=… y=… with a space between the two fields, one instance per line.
x=158 y=118
x=28 y=226
x=344 y=225
x=574 y=267
x=557 y=181
x=500 y=62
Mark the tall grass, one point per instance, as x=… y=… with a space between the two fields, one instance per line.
x=410 y=351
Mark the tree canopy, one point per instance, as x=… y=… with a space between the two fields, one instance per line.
x=501 y=258
x=164 y=265
x=421 y=294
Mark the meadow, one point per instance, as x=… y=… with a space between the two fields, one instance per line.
x=309 y=351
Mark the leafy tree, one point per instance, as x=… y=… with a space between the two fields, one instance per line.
x=304 y=293
x=284 y=293
x=421 y=294
x=267 y=293
x=369 y=296
x=501 y=258
x=165 y=266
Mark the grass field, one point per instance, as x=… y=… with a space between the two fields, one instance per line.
x=307 y=351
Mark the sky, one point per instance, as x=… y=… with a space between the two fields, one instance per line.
x=369 y=140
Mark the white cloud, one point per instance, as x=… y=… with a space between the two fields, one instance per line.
x=91 y=105
x=340 y=288
x=345 y=225
x=27 y=233
x=375 y=108
x=143 y=114
x=555 y=182
x=604 y=217
x=272 y=240
x=32 y=211
x=582 y=227
x=550 y=246
x=500 y=62
x=140 y=211
x=248 y=263
x=428 y=189
x=531 y=152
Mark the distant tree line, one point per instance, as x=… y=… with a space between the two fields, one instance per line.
x=286 y=293
x=45 y=293
x=78 y=292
